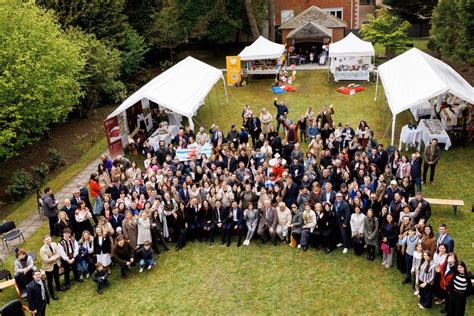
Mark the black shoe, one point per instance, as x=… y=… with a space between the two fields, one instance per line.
x=55 y=297
x=177 y=248
x=79 y=280
x=228 y=244
x=274 y=243
x=124 y=276
x=305 y=248
x=328 y=250
x=372 y=258
x=68 y=286
x=211 y=244
x=368 y=257
x=61 y=289
x=264 y=241
x=100 y=291
x=407 y=280
x=443 y=311
x=167 y=249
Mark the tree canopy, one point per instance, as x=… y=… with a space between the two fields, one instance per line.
x=387 y=30
x=39 y=70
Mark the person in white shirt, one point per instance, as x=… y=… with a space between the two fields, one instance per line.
x=68 y=250
x=284 y=221
x=309 y=222
x=357 y=229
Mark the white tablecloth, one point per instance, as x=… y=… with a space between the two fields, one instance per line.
x=410 y=137
x=423 y=109
x=157 y=136
x=433 y=129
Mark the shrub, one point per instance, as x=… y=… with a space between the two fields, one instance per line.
x=20 y=184
x=165 y=65
x=40 y=171
x=56 y=158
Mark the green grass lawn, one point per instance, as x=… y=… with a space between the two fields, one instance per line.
x=264 y=279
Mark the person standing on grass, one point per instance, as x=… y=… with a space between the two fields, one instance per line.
x=251 y=220
x=408 y=244
x=426 y=280
x=38 y=297
x=50 y=210
x=371 y=231
x=442 y=237
x=389 y=234
x=461 y=288
x=432 y=155
x=415 y=171
x=325 y=116
x=68 y=250
x=50 y=264
x=102 y=248
x=24 y=267
x=342 y=215
x=282 y=111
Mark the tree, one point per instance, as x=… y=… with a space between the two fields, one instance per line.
x=100 y=77
x=167 y=30
x=141 y=15
x=451 y=32
x=106 y=19
x=133 y=53
x=251 y=19
x=414 y=11
x=387 y=30
x=40 y=71
x=271 y=20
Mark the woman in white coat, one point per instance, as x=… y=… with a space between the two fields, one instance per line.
x=309 y=222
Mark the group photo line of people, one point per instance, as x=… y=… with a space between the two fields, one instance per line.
x=257 y=185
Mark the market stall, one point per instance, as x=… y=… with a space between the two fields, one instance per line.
x=351 y=58
x=261 y=58
x=414 y=78
x=176 y=93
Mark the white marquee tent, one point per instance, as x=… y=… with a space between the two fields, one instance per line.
x=181 y=89
x=415 y=77
x=349 y=51
x=351 y=45
x=262 y=48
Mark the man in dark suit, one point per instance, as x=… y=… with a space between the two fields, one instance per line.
x=328 y=195
x=342 y=213
x=255 y=128
x=373 y=204
x=415 y=170
x=70 y=210
x=375 y=158
x=115 y=189
x=194 y=226
x=235 y=221
x=268 y=220
x=442 y=237
x=37 y=295
x=139 y=188
x=116 y=219
x=219 y=219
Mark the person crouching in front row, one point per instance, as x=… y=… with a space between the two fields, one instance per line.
x=101 y=277
x=147 y=256
x=123 y=253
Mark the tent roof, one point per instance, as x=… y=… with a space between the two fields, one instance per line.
x=262 y=49
x=316 y=15
x=351 y=45
x=309 y=30
x=414 y=77
x=182 y=88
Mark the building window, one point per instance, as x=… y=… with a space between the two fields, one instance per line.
x=286 y=15
x=337 y=12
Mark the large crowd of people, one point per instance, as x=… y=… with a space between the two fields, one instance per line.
x=258 y=185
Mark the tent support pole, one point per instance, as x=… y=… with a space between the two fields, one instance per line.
x=225 y=91
x=191 y=123
x=376 y=87
x=393 y=128
x=440 y=100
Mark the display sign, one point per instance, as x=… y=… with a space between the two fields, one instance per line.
x=233 y=70
x=114 y=136
x=194 y=152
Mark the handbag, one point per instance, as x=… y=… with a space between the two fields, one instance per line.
x=385 y=248
x=357 y=239
x=293 y=243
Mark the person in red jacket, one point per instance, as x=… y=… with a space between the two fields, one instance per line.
x=94 y=189
x=446 y=275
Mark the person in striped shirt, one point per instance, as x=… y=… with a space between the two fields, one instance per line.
x=461 y=287
x=426 y=280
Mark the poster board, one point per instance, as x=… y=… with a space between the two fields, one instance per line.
x=351 y=67
x=233 y=70
x=114 y=136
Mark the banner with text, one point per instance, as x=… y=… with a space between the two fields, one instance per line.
x=233 y=70
x=114 y=137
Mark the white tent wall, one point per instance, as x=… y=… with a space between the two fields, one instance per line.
x=262 y=48
x=415 y=77
x=181 y=89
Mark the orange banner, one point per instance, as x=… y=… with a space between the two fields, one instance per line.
x=233 y=70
